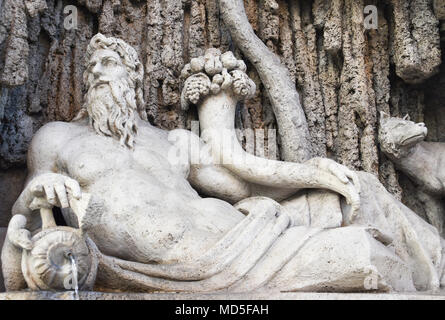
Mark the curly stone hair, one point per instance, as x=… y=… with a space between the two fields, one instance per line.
x=131 y=61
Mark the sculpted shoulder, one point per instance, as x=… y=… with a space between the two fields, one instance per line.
x=56 y=132
x=147 y=126
x=148 y=131
x=48 y=140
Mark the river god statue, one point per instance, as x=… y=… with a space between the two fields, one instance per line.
x=145 y=227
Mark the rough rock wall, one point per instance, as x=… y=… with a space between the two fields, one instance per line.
x=344 y=72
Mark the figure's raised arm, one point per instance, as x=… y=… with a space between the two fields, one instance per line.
x=216 y=83
x=206 y=176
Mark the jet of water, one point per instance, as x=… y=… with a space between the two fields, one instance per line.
x=74 y=274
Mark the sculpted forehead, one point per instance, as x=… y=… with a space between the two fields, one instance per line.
x=399 y=123
x=100 y=54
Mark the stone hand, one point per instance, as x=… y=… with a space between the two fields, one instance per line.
x=17 y=234
x=343 y=173
x=52 y=189
x=348 y=177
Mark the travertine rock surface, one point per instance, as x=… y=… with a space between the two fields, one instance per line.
x=2 y=239
x=11 y=184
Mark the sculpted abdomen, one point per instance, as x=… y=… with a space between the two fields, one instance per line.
x=143 y=219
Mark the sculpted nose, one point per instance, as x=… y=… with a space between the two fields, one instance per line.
x=421 y=124
x=97 y=70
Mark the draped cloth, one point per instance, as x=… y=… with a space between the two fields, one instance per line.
x=389 y=244
x=234 y=257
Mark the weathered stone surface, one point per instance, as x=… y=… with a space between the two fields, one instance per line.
x=357 y=113
x=293 y=130
x=2 y=239
x=204 y=27
x=416 y=40
x=15 y=67
x=305 y=56
x=333 y=27
x=439 y=9
x=84 y=295
x=11 y=184
x=16 y=127
x=34 y=7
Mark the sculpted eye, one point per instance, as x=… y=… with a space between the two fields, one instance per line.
x=110 y=62
x=91 y=65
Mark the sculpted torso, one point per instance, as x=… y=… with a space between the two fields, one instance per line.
x=149 y=212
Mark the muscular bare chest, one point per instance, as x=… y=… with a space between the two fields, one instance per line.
x=90 y=157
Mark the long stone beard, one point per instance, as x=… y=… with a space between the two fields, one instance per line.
x=112 y=111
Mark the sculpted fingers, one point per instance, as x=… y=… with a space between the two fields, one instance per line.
x=349 y=179
x=61 y=195
x=37 y=190
x=52 y=189
x=354 y=178
x=337 y=170
x=50 y=194
x=354 y=202
x=346 y=175
x=38 y=203
x=73 y=188
x=23 y=239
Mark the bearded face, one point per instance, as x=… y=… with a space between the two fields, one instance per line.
x=110 y=100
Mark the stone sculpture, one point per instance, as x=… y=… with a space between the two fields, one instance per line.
x=403 y=142
x=148 y=229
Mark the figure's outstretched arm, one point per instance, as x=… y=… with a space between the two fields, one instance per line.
x=216 y=92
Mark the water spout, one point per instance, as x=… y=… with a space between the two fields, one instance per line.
x=74 y=274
